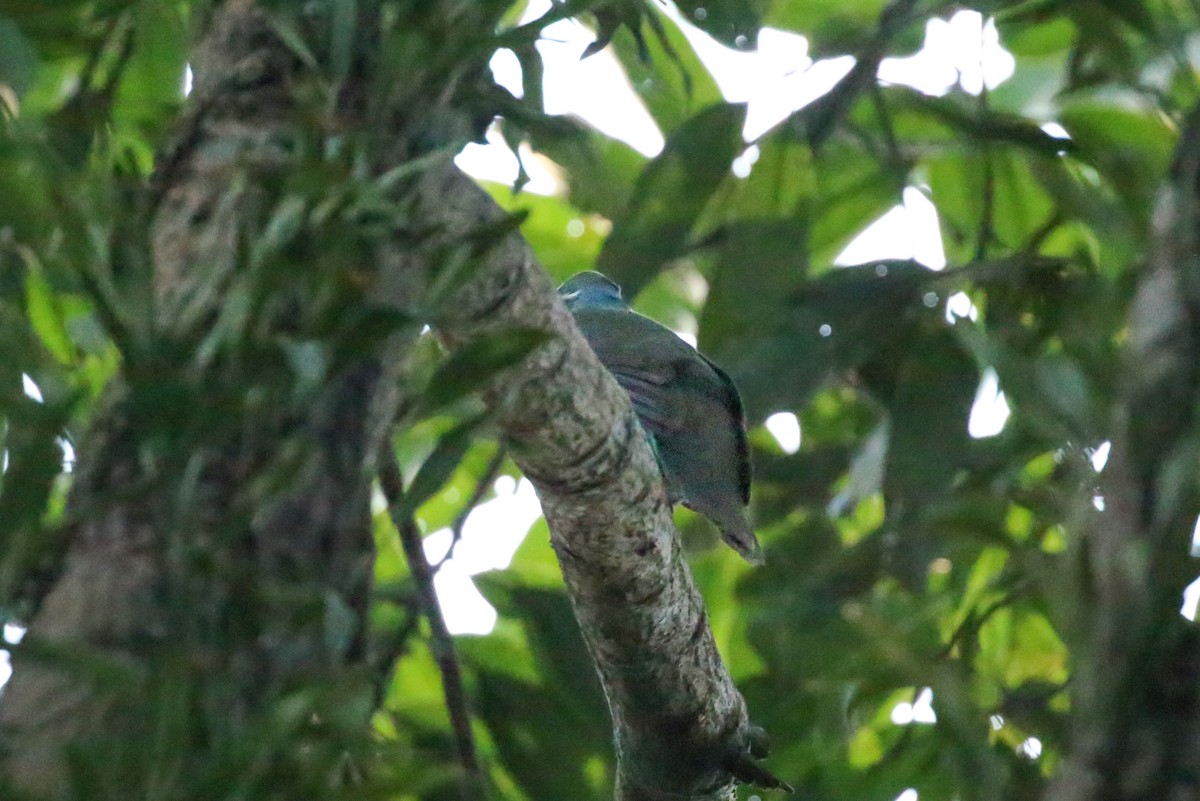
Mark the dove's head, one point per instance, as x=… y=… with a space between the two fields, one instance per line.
x=590 y=290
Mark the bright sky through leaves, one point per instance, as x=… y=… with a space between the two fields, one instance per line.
x=774 y=80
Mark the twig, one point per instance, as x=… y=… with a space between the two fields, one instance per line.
x=481 y=488
x=885 y=122
x=976 y=621
x=390 y=479
x=820 y=118
x=987 y=222
x=1043 y=231
x=396 y=648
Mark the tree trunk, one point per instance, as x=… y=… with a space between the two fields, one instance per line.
x=1136 y=695
x=213 y=553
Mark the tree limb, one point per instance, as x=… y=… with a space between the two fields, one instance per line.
x=681 y=727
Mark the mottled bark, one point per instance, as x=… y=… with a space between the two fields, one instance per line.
x=1136 y=688
x=166 y=554
x=681 y=727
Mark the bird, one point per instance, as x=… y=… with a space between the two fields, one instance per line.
x=688 y=406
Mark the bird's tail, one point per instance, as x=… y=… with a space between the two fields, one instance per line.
x=740 y=536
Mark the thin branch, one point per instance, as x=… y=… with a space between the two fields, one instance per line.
x=481 y=488
x=1043 y=232
x=885 y=122
x=987 y=222
x=442 y=645
x=396 y=646
x=976 y=621
x=820 y=118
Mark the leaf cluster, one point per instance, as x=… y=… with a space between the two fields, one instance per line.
x=902 y=552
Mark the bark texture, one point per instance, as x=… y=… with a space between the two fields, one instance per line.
x=681 y=728
x=133 y=593
x=1136 y=698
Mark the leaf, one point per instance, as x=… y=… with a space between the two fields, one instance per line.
x=562 y=237
x=665 y=71
x=781 y=344
x=974 y=123
x=18 y=58
x=151 y=86
x=734 y=23
x=34 y=460
x=929 y=410
x=1129 y=144
x=45 y=316
x=287 y=220
x=959 y=184
x=344 y=15
x=670 y=195
x=852 y=191
x=569 y=722
x=601 y=171
x=462 y=263
x=745 y=325
x=439 y=465
x=834 y=27
x=475 y=364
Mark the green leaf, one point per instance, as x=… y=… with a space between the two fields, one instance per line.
x=18 y=57
x=833 y=27
x=151 y=86
x=780 y=344
x=439 y=465
x=960 y=183
x=934 y=393
x=783 y=180
x=34 y=460
x=569 y=722
x=852 y=191
x=472 y=366
x=734 y=23
x=665 y=71
x=563 y=238
x=670 y=195
x=1128 y=143
x=46 y=317
x=601 y=171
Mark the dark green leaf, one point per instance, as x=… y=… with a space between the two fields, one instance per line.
x=929 y=409
x=665 y=71
x=475 y=364
x=439 y=465
x=670 y=195
x=734 y=23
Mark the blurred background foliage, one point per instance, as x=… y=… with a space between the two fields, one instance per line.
x=914 y=626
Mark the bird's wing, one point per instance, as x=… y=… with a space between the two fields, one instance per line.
x=650 y=361
x=650 y=394
x=645 y=357
x=732 y=401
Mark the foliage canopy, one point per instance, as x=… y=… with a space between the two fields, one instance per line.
x=902 y=553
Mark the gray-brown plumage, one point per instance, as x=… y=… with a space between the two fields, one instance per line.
x=689 y=406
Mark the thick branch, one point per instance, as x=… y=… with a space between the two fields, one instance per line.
x=680 y=725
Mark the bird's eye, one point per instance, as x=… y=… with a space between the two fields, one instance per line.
x=570 y=296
